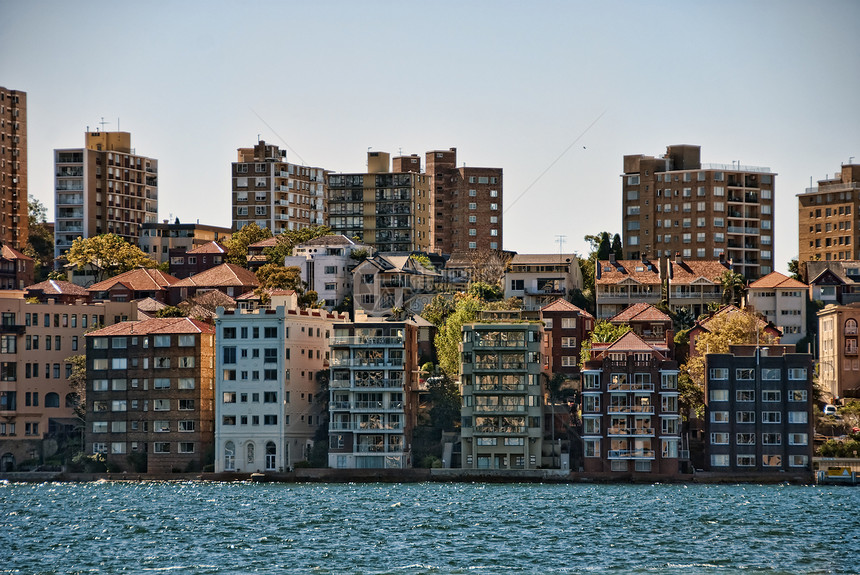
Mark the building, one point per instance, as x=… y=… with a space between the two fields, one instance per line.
x=704 y=325
x=275 y=194
x=16 y=269
x=758 y=410
x=57 y=290
x=158 y=240
x=268 y=404
x=649 y=323
x=326 y=265
x=620 y=284
x=834 y=281
x=13 y=169
x=386 y=282
x=675 y=204
x=104 y=187
x=502 y=388
x=839 y=361
x=187 y=263
x=387 y=209
x=37 y=402
x=782 y=301
x=539 y=279
x=566 y=326
x=230 y=279
x=150 y=391
x=140 y=283
x=827 y=216
x=631 y=422
x=465 y=205
x=373 y=394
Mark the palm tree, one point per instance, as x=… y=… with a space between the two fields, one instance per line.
x=734 y=287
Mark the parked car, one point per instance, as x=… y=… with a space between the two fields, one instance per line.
x=829 y=409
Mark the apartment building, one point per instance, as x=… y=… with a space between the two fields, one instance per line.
x=387 y=208
x=676 y=204
x=104 y=187
x=620 y=284
x=649 y=323
x=827 y=216
x=158 y=239
x=782 y=301
x=17 y=270
x=37 y=403
x=833 y=281
x=150 y=388
x=465 y=205
x=631 y=422
x=539 y=279
x=373 y=394
x=268 y=407
x=758 y=410
x=502 y=390
x=384 y=282
x=326 y=265
x=566 y=326
x=274 y=193
x=839 y=361
x=13 y=168
x=187 y=263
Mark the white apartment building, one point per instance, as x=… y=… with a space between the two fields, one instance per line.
x=539 y=279
x=326 y=265
x=782 y=301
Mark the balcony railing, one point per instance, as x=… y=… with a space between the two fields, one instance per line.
x=500 y=387
x=499 y=408
x=631 y=386
x=376 y=427
x=631 y=454
x=641 y=409
x=367 y=340
x=631 y=431
x=364 y=384
x=501 y=429
x=366 y=362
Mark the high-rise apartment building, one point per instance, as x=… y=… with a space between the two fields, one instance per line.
x=385 y=208
x=104 y=187
x=675 y=204
x=827 y=217
x=275 y=194
x=465 y=205
x=13 y=168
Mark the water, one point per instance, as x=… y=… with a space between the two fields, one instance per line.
x=197 y=528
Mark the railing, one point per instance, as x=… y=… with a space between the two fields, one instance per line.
x=367 y=340
x=379 y=448
x=341 y=405
x=500 y=429
x=499 y=408
x=621 y=431
x=366 y=362
x=500 y=387
x=736 y=168
x=631 y=454
x=840 y=187
x=643 y=409
x=631 y=386
x=364 y=384
x=364 y=426
x=740 y=230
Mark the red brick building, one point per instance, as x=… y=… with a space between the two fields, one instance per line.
x=565 y=328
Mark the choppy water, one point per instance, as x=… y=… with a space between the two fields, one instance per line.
x=198 y=527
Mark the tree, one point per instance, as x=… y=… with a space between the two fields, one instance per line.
x=237 y=246
x=485 y=291
x=734 y=287
x=40 y=239
x=78 y=384
x=604 y=332
x=289 y=239
x=489 y=266
x=274 y=276
x=616 y=247
x=604 y=248
x=795 y=270
x=170 y=311
x=108 y=254
x=444 y=397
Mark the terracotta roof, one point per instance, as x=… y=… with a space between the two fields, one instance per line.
x=221 y=276
x=629 y=342
x=150 y=305
x=687 y=272
x=212 y=247
x=777 y=280
x=643 y=273
x=640 y=312
x=58 y=287
x=12 y=254
x=267 y=243
x=211 y=298
x=562 y=304
x=155 y=325
x=140 y=279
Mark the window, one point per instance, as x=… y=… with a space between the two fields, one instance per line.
x=187 y=425
x=119 y=363
x=591 y=447
x=100 y=426
x=798 y=439
x=797 y=374
x=161 y=383
x=771 y=417
x=771 y=374
x=568 y=342
x=745 y=460
x=745 y=417
x=161 y=426
x=228 y=420
x=161 y=447
x=719 y=460
x=118 y=405
x=771 y=395
x=270 y=420
x=186 y=447
x=719 y=417
x=719 y=439
x=797 y=395
x=771 y=438
x=719 y=373
x=719 y=394
x=186 y=405
x=270 y=332
x=798 y=417
x=798 y=460
x=229 y=397
x=186 y=383
x=745 y=395
x=161 y=405
x=100 y=385
x=745 y=374
x=186 y=341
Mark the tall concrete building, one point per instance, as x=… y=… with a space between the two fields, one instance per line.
x=387 y=208
x=465 y=205
x=825 y=216
x=676 y=204
x=104 y=187
x=275 y=194
x=13 y=168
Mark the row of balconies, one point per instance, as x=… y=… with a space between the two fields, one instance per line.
x=364 y=340
x=361 y=405
x=366 y=384
x=369 y=426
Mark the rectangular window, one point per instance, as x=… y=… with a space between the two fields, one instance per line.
x=745 y=439
x=745 y=374
x=719 y=439
x=797 y=395
x=719 y=460
x=771 y=395
x=161 y=341
x=719 y=373
x=744 y=395
x=771 y=417
x=745 y=417
x=798 y=417
x=719 y=417
x=797 y=373
x=161 y=405
x=161 y=447
x=719 y=394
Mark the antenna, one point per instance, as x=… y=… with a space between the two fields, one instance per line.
x=560 y=239
x=103 y=123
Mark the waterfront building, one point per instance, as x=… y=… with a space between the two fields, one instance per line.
x=187 y=263
x=37 y=340
x=675 y=204
x=839 y=362
x=385 y=208
x=58 y=290
x=502 y=389
x=13 y=170
x=134 y=284
x=465 y=205
x=373 y=394
x=385 y=282
x=104 y=187
x=758 y=410
x=631 y=422
x=782 y=301
x=539 y=279
x=326 y=265
x=274 y=193
x=827 y=216
x=149 y=394
x=566 y=326
x=621 y=283
x=160 y=240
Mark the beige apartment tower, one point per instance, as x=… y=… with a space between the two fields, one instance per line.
x=13 y=168
x=104 y=187
x=675 y=204
x=826 y=216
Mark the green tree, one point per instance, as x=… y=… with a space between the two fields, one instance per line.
x=237 y=246
x=108 y=254
x=274 y=276
x=794 y=270
x=444 y=398
x=170 y=311
x=438 y=310
x=289 y=239
x=78 y=384
x=604 y=332
x=733 y=286
x=604 y=248
x=485 y=291
x=40 y=239
x=616 y=247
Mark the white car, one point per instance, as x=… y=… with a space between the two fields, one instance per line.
x=829 y=409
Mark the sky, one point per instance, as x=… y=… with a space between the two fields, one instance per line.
x=554 y=93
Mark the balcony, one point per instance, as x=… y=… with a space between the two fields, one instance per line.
x=500 y=409
x=631 y=386
x=372 y=363
x=631 y=454
x=478 y=388
x=366 y=426
x=366 y=384
x=500 y=429
x=742 y=230
x=365 y=340
x=632 y=409
x=630 y=432
x=12 y=328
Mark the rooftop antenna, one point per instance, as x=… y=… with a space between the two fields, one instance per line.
x=560 y=239
x=117 y=124
x=851 y=160
x=103 y=123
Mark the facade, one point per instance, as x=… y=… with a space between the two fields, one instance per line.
x=104 y=187
x=502 y=389
x=37 y=403
x=539 y=279
x=134 y=284
x=565 y=328
x=387 y=209
x=158 y=240
x=16 y=269
x=465 y=205
x=326 y=265
x=230 y=279
x=275 y=194
x=839 y=361
x=758 y=410
x=620 y=284
x=149 y=394
x=13 y=168
x=373 y=394
x=187 y=263
x=649 y=323
x=782 y=301
x=384 y=282
x=268 y=407
x=631 y=422
x=675 y=204
x=834 y=281
x=827 y=217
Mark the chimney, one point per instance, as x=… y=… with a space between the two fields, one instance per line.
x=612 y=258
x=723 y=258
x=678 y=258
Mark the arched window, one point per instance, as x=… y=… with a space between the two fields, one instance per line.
x=229 y=456
x=52 y=400
x=271 y=453
x=71 y=399
x=250 y=453
x=851 y=327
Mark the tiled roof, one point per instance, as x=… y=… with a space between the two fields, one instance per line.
x=211 y=298
x=267 y=243
x=140 y=279
x=641 y=312
x=155 y=325
x=12 y=254
x=225 y=275
x=212 y=247
x=58 y=287
x=777 y=280
x=687 y=272
x=629 y=342
x=525 y=259
x=562 y=304
x=643 y=273
x=150 y=305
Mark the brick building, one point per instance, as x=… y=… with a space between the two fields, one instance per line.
x=565 y=328
x=827 y=217
x=13 y=168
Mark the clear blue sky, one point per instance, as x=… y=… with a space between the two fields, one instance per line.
x=510 y=84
